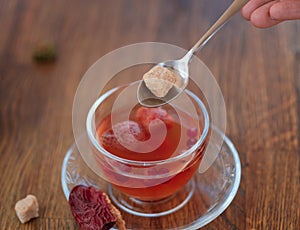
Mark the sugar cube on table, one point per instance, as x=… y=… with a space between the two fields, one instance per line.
x=27 y=208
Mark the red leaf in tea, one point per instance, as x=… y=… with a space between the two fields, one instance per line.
x=92 y=209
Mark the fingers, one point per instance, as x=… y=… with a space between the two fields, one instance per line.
x=285 y=10
x=267 y=13
x=261 y=18
x=251 y=6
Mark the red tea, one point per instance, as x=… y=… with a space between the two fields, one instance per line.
x=158 y=181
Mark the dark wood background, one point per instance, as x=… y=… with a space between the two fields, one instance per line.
x=258 y=71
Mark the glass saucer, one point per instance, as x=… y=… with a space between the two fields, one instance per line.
x=213 y=191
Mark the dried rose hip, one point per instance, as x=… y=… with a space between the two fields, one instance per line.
x=91 y=209
x=145 y=116
x=129 y=132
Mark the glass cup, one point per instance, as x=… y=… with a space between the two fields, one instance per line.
x=150 y=175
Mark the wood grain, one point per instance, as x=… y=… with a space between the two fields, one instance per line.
x=258 y=72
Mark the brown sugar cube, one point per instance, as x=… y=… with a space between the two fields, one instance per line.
x=159 y=80
x=27 y=208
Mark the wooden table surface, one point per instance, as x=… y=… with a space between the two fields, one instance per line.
x=258 y=71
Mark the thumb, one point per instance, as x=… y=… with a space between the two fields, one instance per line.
x=285 y=10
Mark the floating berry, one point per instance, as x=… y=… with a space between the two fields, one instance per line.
x=145 y=116
x=190 y=142
x=130 y=133
x=192 y=132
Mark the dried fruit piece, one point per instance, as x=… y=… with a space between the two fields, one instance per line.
x=146 y=115
x=159 y=80
x=129 y=133
x=27 y=208
x=93 y=209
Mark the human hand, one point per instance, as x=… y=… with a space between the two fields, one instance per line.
x=267 y=13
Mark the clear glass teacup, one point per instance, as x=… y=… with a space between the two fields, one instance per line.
x=147 y=154
x=195 y=171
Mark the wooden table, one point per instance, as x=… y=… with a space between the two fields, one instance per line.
x=258 y=72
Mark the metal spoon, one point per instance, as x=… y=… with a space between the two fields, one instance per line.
x=180 y=66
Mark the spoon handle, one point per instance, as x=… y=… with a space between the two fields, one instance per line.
x=235 y=6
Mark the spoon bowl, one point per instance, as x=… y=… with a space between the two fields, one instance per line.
x=181 y=66
x=181 y=69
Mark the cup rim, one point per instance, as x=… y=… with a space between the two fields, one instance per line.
x=96 y=144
